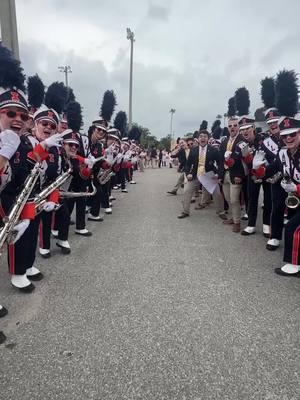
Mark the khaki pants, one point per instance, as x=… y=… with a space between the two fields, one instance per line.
x=217 y=198
x=232 y=195
x=180 y=181
x=190 y=187
x=141 y=164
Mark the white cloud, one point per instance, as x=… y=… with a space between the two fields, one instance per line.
x=188 y=55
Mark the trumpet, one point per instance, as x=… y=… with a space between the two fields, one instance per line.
x=7 y=232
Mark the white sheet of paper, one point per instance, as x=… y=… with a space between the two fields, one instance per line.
x=208 y=181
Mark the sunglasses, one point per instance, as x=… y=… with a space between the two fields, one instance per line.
x=12 y=114
x=47 y=123
x=232 y=126
x=292 y=135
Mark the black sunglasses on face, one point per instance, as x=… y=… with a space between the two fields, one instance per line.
x=293 y=134
x=232 y=126
x=47 y=123
x=12 y=114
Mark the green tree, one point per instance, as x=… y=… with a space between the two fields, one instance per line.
x=147 y=139
x=165 y=142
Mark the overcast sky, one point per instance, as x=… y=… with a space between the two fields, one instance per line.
x=189 y=55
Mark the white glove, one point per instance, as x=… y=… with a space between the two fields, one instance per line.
x=126 y=157
x=19 y=229
x=119 y=157
x=258 y=159
x=92 y=160
x=9 y=142
x=227 y=154
x=56 y=139
x=245 y=149
x=49 y=206
x=89 y=162
x=290 y=187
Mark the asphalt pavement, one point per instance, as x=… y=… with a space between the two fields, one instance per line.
x=153 y=307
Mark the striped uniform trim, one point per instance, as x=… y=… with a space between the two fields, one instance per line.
x=296 y=241
x=41 y=238
x=11 y=259
x=2 y=212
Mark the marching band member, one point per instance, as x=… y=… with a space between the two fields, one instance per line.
x=14 y=115
x=80 y=168
x=253 y=143
x=288 y=163
x=289 y=158
x=125 y=147
x=113 y=143
x=97 y=134
x=79 y=183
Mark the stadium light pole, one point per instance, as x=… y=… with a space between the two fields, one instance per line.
x=66 y=69
x=172 y=112
x=130 y=36
x=8 y=22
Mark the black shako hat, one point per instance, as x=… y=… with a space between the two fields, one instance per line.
x=288 y=125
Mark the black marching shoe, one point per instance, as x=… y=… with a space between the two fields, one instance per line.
x=64 y=245
x=83 y=232
x=2 y=337
x=3 y=312
x=22 y=283
x=183 y=215
x=27 y=289
x=272 y=244
x=173 y=192
x=279 y=271
x=36 y=277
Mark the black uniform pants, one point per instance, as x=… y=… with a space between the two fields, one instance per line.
x=21 y=255
x=62 y=220
x=78 y=185
x=253 y=196
x=292 y=240
x=128 y=175
x=104 y=195
x=244 y=193
x=122 y=177
x=278 y=207
x=45 y=230
x=95 y=201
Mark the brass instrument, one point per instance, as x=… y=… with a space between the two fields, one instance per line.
x=7 y=232
x=41 y=198
x=275 y=178
x=70 y=195
x=105 y=175
x=292 y=201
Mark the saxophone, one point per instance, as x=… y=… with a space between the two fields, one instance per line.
x=275 y=178
x=7 y=232
x=70 y=195
x=105 y=175
x=41 y=198
x=292 y=201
